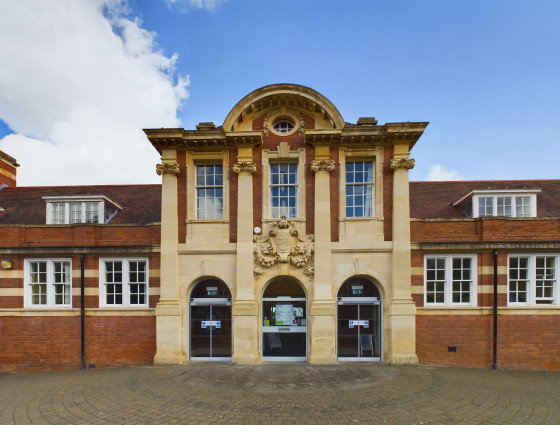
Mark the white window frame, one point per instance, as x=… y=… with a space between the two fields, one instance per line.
x=83 y=209
x=216 y=214
x=513 y=195
x=126 y=283
x=50 y=284
x=448 y=280
x=364 y=185
x=532 y=299
x=284 y=184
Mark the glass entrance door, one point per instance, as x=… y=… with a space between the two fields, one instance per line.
x=359 y=330
x=210 y=330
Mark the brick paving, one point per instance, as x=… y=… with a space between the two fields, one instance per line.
x=289 y=393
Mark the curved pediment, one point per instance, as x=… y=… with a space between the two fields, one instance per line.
x=282 y=97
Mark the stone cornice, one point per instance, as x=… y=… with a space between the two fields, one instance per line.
x=214 y=138
x=168 y=168
x=322 y=165
x=405 y=163
x=249 y=167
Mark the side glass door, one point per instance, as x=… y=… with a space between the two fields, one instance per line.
x=221 y=331
x=348 y=334
x=201 y=334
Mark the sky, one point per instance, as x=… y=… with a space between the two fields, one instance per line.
x=80 y=79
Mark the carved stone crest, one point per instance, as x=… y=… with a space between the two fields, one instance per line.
x=283 y=244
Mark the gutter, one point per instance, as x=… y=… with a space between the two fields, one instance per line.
x=495 y=313
x=82 y=313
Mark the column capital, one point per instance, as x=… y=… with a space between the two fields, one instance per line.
x=327 y=165
x=401 y=163
x=249 y=167
x=167 y=168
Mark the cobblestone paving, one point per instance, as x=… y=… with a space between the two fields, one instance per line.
x=217 y=393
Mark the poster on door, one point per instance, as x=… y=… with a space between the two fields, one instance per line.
x=354 y=323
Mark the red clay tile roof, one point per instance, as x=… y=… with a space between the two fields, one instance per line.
x=432 y=199
x=25 y=205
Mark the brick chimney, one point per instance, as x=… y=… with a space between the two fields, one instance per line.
x=8 y=170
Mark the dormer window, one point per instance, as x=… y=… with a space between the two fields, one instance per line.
x=500 y=203
x=80 y=210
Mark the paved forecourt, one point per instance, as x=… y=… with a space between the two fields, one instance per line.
x=289 y=393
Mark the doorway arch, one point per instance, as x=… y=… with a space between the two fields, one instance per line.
x=284 y=320
x=359 y=321
x=210 y=321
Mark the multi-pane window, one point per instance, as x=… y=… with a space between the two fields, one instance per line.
x=124 y=283
x=283 y=190
x=75 y=212
x=450 y=280
x=506 y=206
x=209 y=192
x=91 y=212
x=48 y=283
x=532 y=279
x=359 y=189
x=485 y=206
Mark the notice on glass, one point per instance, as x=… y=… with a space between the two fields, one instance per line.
x=284 y=314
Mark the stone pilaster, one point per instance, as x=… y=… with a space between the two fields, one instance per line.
x=169 y=308
x=245 y=320
x=323 y=308
x=401 y=310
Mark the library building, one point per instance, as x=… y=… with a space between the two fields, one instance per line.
x=283 y=234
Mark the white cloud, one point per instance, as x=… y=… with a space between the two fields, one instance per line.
x=79 y=80
x=439 y=173
x=184 y=5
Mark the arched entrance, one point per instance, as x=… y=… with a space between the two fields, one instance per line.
x=210 y=321
x=284 y=321
x=359 y=321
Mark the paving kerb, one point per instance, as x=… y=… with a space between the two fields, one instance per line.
x=280 y=393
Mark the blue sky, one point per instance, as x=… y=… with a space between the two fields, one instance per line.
x=485 y=74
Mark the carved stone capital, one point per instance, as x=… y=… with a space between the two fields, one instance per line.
x=322 y=165
x=407 y=164
x=249 y=167
x=168 y=168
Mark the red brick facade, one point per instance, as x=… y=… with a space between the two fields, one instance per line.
x=32 y=343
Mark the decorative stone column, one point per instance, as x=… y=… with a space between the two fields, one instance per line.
x=401 y=309
x=245 y=321
x=323 y=308
x=169 y=309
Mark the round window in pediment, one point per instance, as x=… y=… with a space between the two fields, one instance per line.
x=283 y=126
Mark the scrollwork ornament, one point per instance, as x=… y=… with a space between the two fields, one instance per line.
x=407 y=164
x=167 y=168
x=301 y=124
x=249 y=167
x=265 y=129
x=322 y=166
x=257 y=272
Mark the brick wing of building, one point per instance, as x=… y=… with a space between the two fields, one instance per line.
x=285 y=234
